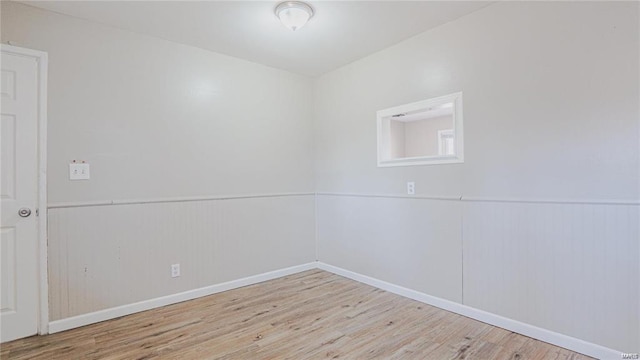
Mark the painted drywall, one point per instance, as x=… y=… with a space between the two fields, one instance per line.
x=421 y=137
x=550 y=107
x=416 y=138
x=160 y=119
x=396 y=139
x=551 y=113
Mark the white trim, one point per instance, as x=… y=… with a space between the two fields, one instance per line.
x=43 y=288
x=43 y=64
x=554 y=201
x=172 y=199
x=422 y=160
x=476 y=199
x=442 y=134
x=390 y=196
x=383 y=132
x=16 y=50
x=548 y=336
x=112 y=313
x=316 y=229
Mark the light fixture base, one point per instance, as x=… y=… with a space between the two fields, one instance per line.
x=294 y=14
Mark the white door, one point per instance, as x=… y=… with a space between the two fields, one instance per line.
x=19 y=197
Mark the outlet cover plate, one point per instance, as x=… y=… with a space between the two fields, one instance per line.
x=175 y=270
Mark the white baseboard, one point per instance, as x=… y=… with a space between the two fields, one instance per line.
x=567 y=342
x=548 y=336
x=112 y=313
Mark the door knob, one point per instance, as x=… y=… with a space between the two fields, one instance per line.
x=24 y=212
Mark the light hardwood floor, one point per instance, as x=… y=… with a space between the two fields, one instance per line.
x=310 y=315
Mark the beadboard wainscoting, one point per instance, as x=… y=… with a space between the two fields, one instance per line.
x=565 y=272
x=108 y=256
x=408 y=242
x=570 y=268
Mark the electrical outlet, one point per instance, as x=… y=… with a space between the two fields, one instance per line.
x=175 y=270
x=411 y=188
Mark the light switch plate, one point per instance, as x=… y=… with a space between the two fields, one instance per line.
x=79 y=171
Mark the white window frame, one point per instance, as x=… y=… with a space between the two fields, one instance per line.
x=384 y=131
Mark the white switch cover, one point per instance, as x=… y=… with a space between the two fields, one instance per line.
x=79 y=171
x=411 y=188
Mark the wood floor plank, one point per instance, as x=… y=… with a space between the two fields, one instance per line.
x=309 y=315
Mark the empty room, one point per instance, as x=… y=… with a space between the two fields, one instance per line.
x=320 y=179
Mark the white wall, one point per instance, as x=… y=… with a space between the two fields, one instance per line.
x=156 y=119
x=550 y=107
x=101 y=257
x=421 y=137
x=397 y=139
x=403 y=241
x=570 y=268
x=551 y=113
x=159 y=119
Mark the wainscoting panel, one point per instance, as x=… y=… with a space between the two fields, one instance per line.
x=560 y=268
x=570 y=268
x=413 y=243
x=106 y=256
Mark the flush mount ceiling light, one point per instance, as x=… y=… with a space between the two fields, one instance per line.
x=294 y=14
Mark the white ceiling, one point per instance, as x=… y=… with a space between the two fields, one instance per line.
x=339 y=33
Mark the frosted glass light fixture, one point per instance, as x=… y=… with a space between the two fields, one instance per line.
x=294 y=14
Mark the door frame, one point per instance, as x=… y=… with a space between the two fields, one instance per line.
x=42 y=60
